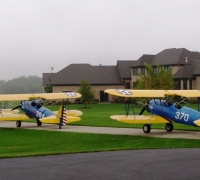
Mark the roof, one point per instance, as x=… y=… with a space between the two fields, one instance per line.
x=173 y=56
x=124 y=68
x=185 y=72
x=95 y=75
x=45 y=78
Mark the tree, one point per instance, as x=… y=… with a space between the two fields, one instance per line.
x=162 y=79
x=23 y=84
x=49 y=87
x=85 y=90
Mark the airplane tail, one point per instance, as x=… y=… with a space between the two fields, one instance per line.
x=63 y=116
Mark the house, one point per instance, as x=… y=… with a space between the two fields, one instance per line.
x=100 y=78
x=185 y=67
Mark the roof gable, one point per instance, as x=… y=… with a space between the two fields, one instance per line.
x=124 y=68
x=75 y=73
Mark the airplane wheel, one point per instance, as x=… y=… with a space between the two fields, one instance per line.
x=39 y=123
x=146 y=128
x=18 y=123
x=169 y=127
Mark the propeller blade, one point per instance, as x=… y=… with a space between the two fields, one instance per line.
x=16 y=107
x=143 y=109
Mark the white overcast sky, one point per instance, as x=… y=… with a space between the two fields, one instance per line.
x=38 y=34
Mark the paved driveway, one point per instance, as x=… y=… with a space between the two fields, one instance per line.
x=171 y=164
x=108 y=130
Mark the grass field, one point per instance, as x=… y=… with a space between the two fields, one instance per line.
x=22 y=142
x=99 y=115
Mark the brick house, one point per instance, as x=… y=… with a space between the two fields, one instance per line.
x=185 y=65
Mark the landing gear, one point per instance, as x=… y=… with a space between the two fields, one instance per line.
x=147 y=128
x=39 y=123
x=169 y=127
x=18 y=123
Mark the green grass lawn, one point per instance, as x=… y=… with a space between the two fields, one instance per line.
x=24 y=142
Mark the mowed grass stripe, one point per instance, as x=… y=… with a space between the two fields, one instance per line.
x=23 y=142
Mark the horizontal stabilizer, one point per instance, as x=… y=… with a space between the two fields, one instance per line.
x=55 y=120
x=197 y=122
x=72 y=112
x=139 y=119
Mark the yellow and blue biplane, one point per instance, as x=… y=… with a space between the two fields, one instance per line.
x=32 y=106
x=162 y=110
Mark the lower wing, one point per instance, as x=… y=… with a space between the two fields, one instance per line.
x=197 y=122
x=55 y=120
x=13 y=117
x=10 y=111
x=139 y=119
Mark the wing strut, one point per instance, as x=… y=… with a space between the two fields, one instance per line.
x=127 y=105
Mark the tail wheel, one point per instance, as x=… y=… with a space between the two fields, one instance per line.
x=169 y=127
x=18 y=123
x=146 y=128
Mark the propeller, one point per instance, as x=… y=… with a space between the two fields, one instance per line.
x=19 y=106
x=145 y=108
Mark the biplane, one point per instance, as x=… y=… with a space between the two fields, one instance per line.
x=162 y=110
x=32 y=107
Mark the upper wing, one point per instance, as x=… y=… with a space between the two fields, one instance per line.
x=152 y=93
x=136 y=93
x=185 y=93
x=19 y=97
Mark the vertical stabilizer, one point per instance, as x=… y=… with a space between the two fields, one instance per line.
x=63 y=116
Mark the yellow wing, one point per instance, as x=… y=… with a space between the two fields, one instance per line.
x=71 y=112
x=139 y=119
x=10 y=111
x=152 y=93
x=55 y=120
x=185 y=93
x=13 y=117
x=136 y=93
x=19 y=97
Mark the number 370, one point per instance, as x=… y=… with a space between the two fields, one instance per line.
x=182 y=116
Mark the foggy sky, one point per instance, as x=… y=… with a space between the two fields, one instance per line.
x=38 y=34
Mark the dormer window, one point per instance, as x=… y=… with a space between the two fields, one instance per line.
x=142 y=70
x=135 y=71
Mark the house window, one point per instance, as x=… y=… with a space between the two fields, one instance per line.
x=185 y=84
x=167 y=68
x=155 y=70
x=177 y=84
x=142 y=69
x=128 y=86
x=134 y=84
x=135 y=71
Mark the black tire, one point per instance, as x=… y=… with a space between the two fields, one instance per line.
x=39 y=123
x=169 y=127
x=146 y=128
x=18 y=123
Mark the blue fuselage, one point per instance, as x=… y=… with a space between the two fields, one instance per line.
x=35 y=110
x=173 y=113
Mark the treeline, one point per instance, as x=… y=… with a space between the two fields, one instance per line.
x=30 y=84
